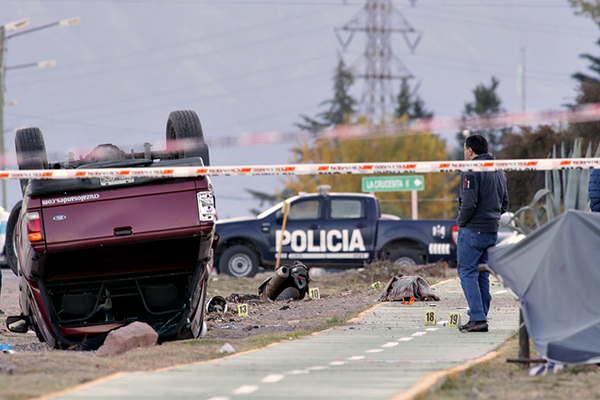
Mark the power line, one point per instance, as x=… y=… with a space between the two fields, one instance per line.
x=170 y=45
x=322 y=3
x=170 y=59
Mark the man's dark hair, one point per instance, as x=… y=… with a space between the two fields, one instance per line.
x=477 y=143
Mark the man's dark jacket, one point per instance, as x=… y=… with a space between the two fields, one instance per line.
x=483 y=198
x=594 y=190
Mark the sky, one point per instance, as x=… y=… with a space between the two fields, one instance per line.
x=254 y=65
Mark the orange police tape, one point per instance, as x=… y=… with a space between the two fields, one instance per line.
x=421 y=167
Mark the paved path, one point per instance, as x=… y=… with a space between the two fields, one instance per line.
x=376 y=358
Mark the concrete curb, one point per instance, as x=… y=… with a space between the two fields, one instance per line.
x=435 y=380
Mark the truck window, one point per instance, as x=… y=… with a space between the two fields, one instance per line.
x=307 y=209
x=347 y=209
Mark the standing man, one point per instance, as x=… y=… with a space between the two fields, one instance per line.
x=594 y=190
x=483 y=198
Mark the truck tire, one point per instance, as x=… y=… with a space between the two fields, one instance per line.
x=239 y=261
x=10 y=252
x=185 y=137
x=405 y=257
x=31 y=151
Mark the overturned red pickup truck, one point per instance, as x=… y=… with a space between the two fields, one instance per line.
x=96 y=254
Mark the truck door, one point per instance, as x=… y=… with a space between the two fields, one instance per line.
x=349 y=231
x=301 y=239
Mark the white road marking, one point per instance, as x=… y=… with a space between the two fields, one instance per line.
x=356 y=358
x=219 y=398
x=432 y=329
x=298 y=372
x=405 y=339
x=337 y=363
x=390 y=344
x=317 y=368
x=442 y=322
x=501 y=291
x=272 y=378
x=374 y=351
x=420 y=333
x=245 y=389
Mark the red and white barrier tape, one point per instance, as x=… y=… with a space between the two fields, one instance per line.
x=421 y=167
x=583 y=113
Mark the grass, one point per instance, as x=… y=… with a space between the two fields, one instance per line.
x=497 y=379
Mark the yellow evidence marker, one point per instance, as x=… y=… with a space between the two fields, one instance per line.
x=430 y=318
x=453 y=320
x=314 y=294
x=242 y=310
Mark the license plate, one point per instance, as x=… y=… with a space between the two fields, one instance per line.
x=111 y=181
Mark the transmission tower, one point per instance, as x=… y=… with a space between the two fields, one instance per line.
x=379 y=20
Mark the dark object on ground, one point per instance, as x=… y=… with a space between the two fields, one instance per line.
x=405 y=287
x=216 y=304
x=243 y=298
x=286 y=283
x=554 y=272
x=95 y=254
x=132 y=336
x=474 y=326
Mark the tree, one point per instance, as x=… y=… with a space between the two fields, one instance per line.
x=486 y=103
x=588 y=8
x=410 y=106
x=528 y=143
x=588 y=83
x=340 y=108
x=439 y=201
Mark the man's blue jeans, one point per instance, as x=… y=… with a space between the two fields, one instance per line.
x=472 y=251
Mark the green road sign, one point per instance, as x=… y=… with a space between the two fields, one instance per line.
x=398 y=183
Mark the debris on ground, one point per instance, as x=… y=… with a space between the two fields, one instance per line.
x=216 y=304
x=243 y=298
x=132 y=336
x=6 y=348
x=226 y=349
x=408 y=287
x=286 y=283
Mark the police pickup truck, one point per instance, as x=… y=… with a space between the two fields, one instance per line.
x=335 y=230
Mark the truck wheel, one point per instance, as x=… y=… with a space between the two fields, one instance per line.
x=10 y=252
x=31 y=151
x=185 y=137
x=405 y=257
x=239 y=261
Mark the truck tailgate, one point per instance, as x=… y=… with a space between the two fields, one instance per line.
x=120 y=212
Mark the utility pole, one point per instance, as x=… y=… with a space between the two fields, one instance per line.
x=522 y=72
x=2 y=90
x=379 y=19
x=4 y=36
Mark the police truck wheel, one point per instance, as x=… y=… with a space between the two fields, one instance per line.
x=405 y=257
x=239 y=261
x=185 y=137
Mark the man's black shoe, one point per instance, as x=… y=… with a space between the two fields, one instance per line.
x=474 y=326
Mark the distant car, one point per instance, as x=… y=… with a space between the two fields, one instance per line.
x=96 y=254
x=336 y=230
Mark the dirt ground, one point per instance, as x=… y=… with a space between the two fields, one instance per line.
x=34 y=369
x=498 y=379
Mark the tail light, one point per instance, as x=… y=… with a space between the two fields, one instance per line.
x=206 y=206
x=455 y=234
x=34 y=227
